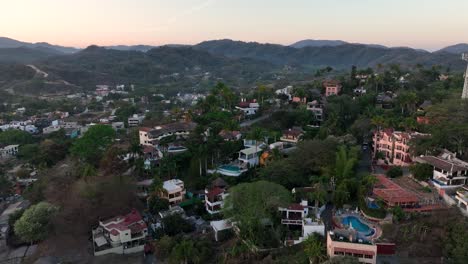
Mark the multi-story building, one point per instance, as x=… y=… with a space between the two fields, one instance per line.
x=152 y=136
x=173 y=191
x=135 y=120
x=215 y=194
x=301 y=217
x=332 y=87
x=461 y=196
x=449 y=172
x=317 y=109
x=120 y=235
x=9 y=151
x=395 y=146
x=347 y=243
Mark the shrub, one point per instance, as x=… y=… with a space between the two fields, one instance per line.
x=395 y=172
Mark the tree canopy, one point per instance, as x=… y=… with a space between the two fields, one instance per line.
x=94 y=143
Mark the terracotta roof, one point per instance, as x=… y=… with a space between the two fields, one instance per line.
x=145 y=129
x=212 y=193
x=296 y=207
x=392 y=193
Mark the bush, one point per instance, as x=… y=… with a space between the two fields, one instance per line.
x=421 y=172
x=395 y=172
x=175 y=224
x=156 y=204
x=34 y=224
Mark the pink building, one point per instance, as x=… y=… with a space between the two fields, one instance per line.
x=332 y=87
x=395 y=145
x=346 y=243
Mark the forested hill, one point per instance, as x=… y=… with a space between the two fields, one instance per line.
x=341 y=56
x=100 y=65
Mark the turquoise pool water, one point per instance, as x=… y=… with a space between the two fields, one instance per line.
x=229 y=168
x=357 y=225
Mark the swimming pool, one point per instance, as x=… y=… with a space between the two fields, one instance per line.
x=231 y=170
x=358 y=225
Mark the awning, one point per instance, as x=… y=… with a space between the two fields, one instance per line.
x=100 y=241
x=355 y=251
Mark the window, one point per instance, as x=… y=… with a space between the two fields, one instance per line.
x=368 y=256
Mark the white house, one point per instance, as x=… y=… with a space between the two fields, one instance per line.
x=9 y=151
x=449 y=172
x=174 y=191
x=299 y=216
x=250 y=155
x=135 y=120
x=215 y=194
x=120 y=235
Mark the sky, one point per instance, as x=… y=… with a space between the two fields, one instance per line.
x=427 y=24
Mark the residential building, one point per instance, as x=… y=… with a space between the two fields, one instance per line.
x=449 y=172
x=393 y=194
x=230 y=135
x=292 y=135
x=461 y=196
x=347 y=243
x=9 y=151
x=395 y=146
x=250 y=155
x=215 y=194
x=152 y=136
x=285 y=91
x=385 y=100
x=304 y=218
x=135 y=120
x=120 y=235
x=332 y=87
x=118 y=125
x=317 y=108
x=248 y=107
x=173 y=191
x=59 y=124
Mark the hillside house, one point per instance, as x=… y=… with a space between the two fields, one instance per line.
x=332 y=87
x=347 y=243
x=301 y=217
x=152 y=136
x=215 y=194
x=292 y=135
x=449 y=172
x=395 y=146
x=120 y=235
x=173 y=191
x=9 y=151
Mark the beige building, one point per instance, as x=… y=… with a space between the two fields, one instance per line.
x=345 y=243
x=174 y=191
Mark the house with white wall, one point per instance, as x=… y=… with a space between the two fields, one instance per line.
x=120 y=235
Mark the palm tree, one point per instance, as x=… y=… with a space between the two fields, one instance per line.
x=314 y=249
x=319 y=194
x=185 y=251
x=379 y=122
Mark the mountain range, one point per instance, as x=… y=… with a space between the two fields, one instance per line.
x=236 y=62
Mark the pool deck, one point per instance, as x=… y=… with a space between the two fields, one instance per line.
x=377 y=229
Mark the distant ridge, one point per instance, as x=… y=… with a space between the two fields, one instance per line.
x=456 y=49
x=12 y=43
x=327 y=43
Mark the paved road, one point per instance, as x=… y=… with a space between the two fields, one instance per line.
x=365 y=163
x=38 y=71
x=253 y=121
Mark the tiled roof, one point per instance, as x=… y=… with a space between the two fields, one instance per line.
x=392 y=192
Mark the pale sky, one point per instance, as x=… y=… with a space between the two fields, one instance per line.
x=428 y=24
